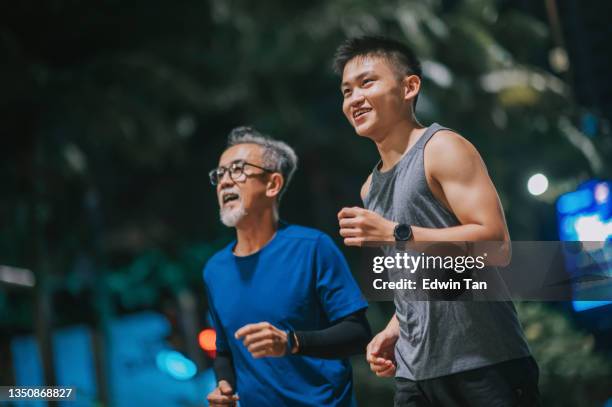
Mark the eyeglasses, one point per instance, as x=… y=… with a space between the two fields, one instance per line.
x=235 y=171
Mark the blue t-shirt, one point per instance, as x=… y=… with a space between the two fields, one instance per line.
x=299 y=281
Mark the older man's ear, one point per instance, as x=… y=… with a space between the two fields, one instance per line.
x=275 y=185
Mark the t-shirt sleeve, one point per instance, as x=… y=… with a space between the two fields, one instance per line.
x=221 y=340
x=338 y=292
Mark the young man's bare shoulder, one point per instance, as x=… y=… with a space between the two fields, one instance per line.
x=445 y=140
x=448 y=151
x=450 y=145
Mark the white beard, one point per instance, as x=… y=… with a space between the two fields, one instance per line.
x=231 y=216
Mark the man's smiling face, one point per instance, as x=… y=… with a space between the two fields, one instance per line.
x=373 y=96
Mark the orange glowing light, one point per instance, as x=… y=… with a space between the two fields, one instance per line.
x=207 y=339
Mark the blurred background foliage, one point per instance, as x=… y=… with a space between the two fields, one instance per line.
x=111 y=115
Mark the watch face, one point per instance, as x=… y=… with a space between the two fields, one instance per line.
x=403 y=232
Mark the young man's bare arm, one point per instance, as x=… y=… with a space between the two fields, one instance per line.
x=459 y=179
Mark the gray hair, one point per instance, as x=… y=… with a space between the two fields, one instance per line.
x=277 y=155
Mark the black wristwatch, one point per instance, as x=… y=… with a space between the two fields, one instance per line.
x=402 y=232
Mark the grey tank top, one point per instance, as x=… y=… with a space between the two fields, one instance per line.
x=438 y=338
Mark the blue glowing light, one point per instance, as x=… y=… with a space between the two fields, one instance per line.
x=586 y=215
x=585 y=305
x=575 y=201
x=175 y=364
x=591 y=228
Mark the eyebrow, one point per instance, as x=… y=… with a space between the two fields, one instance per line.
x=360 y=76
x=232 y=162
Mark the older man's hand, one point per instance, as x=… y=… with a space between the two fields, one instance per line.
x=263 y=339
x=222 y=395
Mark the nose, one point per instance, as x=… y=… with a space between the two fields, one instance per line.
x=356 y=98
x=225 y=181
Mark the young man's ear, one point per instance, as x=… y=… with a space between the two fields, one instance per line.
x=412 y=85
x=275 y=185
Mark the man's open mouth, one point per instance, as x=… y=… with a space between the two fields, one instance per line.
x=360 y=112
x=230 y=197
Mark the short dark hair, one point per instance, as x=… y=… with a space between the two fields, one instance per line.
x=399 y=55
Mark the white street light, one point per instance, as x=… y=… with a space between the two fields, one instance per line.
x=537 y=184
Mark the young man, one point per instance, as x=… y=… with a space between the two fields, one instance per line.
x=430 y=185
x=284 y=304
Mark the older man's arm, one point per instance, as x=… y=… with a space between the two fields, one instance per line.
x=348 y=337
x=345 y=337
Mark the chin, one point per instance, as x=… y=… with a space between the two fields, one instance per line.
x=231 y=217
x=364 y=131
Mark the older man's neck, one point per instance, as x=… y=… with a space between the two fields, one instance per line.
x=253 y=234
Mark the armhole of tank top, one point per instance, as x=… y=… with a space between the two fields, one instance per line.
x=367 y=193
x=429 y=191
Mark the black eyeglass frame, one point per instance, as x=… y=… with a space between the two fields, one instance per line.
x=216 y=174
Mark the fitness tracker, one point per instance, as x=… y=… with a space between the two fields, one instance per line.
x=291 y=342
x=402 y=232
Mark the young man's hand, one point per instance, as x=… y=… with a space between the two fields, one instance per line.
x=222 y=395
x=263 y=339
x=380 y=352
x=358 y=226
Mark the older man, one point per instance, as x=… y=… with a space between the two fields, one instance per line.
x=283 y=302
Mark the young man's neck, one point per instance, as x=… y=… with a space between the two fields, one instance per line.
x=393 y=145
x=253 y=233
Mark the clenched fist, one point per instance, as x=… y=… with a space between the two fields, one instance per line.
x=263 y=339
x=359 y=226
x=222 y=395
